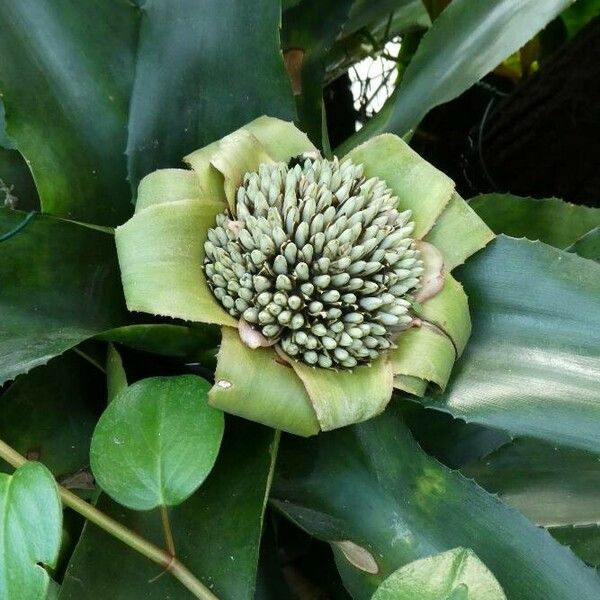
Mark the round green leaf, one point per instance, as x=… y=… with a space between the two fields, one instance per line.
x=30 y=531
x=217 y=531
x=441 y=577
x=156 y=442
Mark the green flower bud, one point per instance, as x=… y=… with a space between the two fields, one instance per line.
x=318 y=258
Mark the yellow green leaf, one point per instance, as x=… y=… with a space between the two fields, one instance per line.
x=419 y=186
x=167 y=185
x=458 y=233
x=258 y=385
x=161 y=252
x=281 y=139
x=424 y=352
x=449 y=310
x=345 y=397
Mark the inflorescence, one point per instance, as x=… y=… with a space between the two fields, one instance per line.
x=318 y=259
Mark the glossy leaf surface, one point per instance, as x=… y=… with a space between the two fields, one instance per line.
x=203 y=70
x=453 y=574
x=66 y=80
x=60 y=287
x=372 y=485
x=531 y=366
x=30 y=531
x=551 y=220
x=156 y=442
x=552 y=486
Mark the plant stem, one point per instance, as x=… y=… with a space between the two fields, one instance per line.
x=164 y=516
x=127 y=536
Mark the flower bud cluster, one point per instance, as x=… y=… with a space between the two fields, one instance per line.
x=318 y=259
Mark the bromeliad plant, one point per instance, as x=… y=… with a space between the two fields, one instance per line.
x=433 y=447
x=324 y=274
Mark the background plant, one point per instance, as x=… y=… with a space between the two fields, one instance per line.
x=95 y=96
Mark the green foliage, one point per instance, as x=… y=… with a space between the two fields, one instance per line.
x=531 y=366
x=208 y=67
x=60 y=287
x=466 y=41
x=551 y=220
x=66 y=89
x=497 y=380
x=217 y=531
x=31 y=527
x=156 y=442
x=453 y=575
x=372 y=485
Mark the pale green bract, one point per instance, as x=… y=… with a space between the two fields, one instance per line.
x=324 y=274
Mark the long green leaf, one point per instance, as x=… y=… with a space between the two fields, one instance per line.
x=60 y=285
x=66 y=77
x=549 y=485
x=468 y=39
x=216 y=532
x=550 y=220
x=532 y=365
x=373 y=488
x=366 y=13
x=584 y=541
x=309 y=31
x=17 y=188
x=588 y=245
x=204 y=69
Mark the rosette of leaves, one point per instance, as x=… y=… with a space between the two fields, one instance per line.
x=330 y=278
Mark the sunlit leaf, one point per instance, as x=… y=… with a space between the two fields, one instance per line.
x=531 y=366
